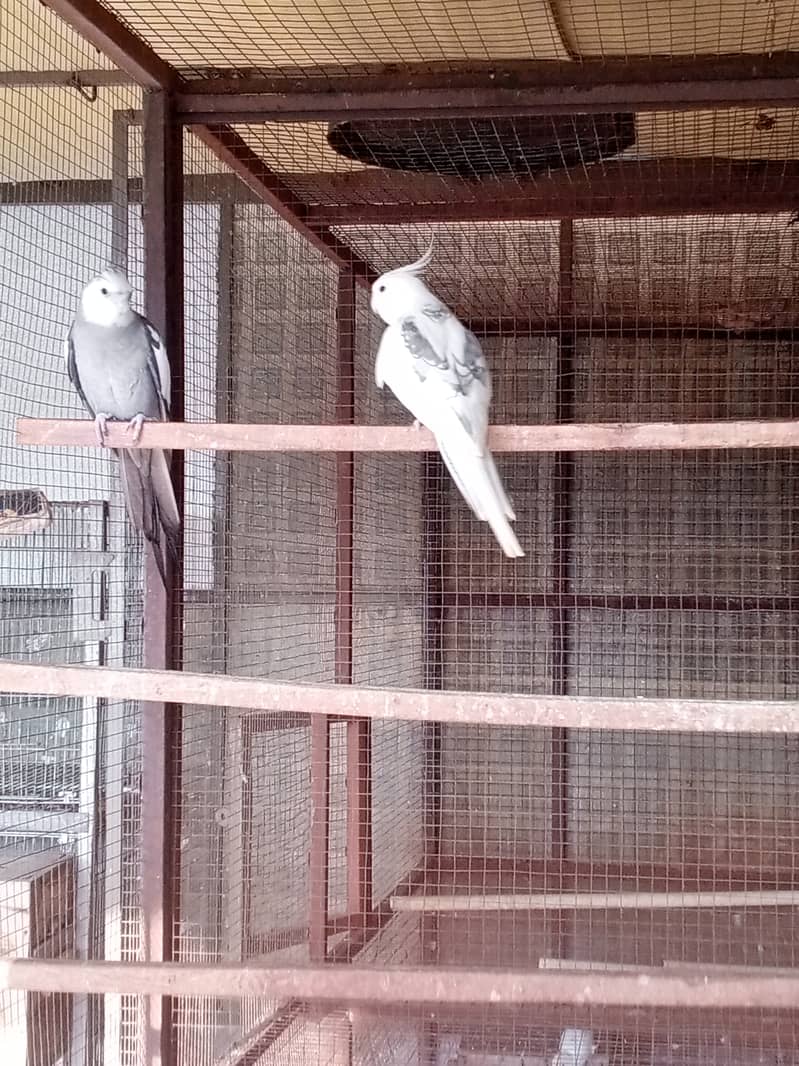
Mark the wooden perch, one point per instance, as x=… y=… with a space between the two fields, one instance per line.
x=410 y=705
x=599 y=437
x=675 y=965
x=375 y=986
x=592 y=901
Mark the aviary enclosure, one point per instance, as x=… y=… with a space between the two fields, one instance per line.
x=400 y=799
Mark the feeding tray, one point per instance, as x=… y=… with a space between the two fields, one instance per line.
x=480 y=147
x=24 y=511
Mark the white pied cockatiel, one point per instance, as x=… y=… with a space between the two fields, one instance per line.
x=118 y=364
x=436 y=368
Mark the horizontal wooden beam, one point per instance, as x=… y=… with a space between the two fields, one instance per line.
x=521 y=88
x=463 y=603
x=617 y=188
x=378 y=197
x=373 y=986
x=596 y=437
x=643 y=329
x=257 y=694
x=694 y=873
x=66 y=79
x=101 y=28
x=457 y=903
x=509 y=74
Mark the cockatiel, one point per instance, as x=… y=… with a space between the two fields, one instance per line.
x=118 y=364
x=436 y=368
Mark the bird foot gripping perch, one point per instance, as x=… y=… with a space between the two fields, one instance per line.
x=101 y=428
x=135 y=426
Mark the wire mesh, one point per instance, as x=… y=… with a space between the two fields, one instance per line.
x=367 y=33
x=68 y=771
x=654 y=573
x=663 y=574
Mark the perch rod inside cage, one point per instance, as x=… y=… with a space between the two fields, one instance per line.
x=552 y=901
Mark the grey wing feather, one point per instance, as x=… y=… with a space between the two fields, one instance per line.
x=74 y=376
x=426 y=360
x=459 y=369
x=158 y=365
x=470 y=364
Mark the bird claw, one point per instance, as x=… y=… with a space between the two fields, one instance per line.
x=135 y=427
x=101 y=428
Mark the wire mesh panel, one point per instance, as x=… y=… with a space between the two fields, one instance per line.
x=68 y=771
x=388 y=844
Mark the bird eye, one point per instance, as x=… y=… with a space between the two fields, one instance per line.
x=104 y=292
x=382 y=288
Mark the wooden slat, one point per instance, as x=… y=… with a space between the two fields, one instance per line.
x=574 y=712
x=575 y=901
x=379 y=985
x=597 y=437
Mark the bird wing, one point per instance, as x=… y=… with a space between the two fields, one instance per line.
x=72 y=370
x=158 y=366
x=449 y=363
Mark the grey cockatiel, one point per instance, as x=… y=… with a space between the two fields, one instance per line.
x=436 y=368
x=117 y=362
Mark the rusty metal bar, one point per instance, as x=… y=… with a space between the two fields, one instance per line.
x=634 y=329
x=101 y=28
x=563 y=481
x=375 y=986
x=462 y=603
x=410 y=705
x=359 y=732
x=526 y=89
x=345 y=477
x=595 y=437
x=318 y=872
x=231 y=148
x=359 y=819
x=602 y=601
x=692 y=873
x=120 y=186
x=617 y=188
x=161 y=725
x=63 y=79
x=434 y=518
x=690 y=72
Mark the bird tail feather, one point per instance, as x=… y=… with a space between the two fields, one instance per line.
x=165 y=499
x=478 y=482
x=150 y=500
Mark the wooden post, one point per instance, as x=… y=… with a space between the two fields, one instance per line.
x=161 y=722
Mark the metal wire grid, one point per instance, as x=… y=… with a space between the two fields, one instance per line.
x=469 y=837
x=369 y=32
x=68 y=779
x=498 y=789
x=439 y=1036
